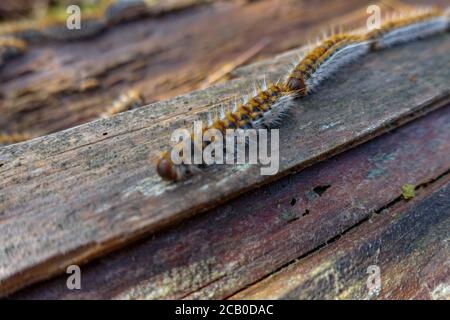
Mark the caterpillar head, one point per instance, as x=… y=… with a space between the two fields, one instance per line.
x=166 y=168
x=170 y=171
x=137 y=99
x=296 y=83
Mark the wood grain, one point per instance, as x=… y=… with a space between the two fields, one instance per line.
x=223 y=251
x=408 y=243
x=74 y=195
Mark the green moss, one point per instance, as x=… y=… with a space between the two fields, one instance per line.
x=408 y=191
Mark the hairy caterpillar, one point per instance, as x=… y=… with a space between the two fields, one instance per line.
x=324 y=60
x=268 y=105
x=10 y=47
x=6 y=139
x=129 y=100
x=264 y=109
x=414 y=25
x=53 y=27
x=24 y=29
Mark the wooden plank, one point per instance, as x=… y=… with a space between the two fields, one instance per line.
x=218 y=253
x=79 y=193
x=409 y=245
x=57 y=85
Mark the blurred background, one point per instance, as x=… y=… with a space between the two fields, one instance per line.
x=159 y=48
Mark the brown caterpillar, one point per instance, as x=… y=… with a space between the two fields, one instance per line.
x=11 y=47
x=24 y=29
x=267 y=106
x=6 y=139
x=324 y=60
x=129 y=100
x=412 y=25
x=108 y=12
x=264 y=109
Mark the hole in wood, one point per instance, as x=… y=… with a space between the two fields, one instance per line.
x=293 y=202
x=105 y=133
x=320 y=190
x=305 y=213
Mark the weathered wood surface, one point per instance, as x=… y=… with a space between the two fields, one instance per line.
x=408 y=242
x=228 y=248
x=57 y=85
x=76 y=194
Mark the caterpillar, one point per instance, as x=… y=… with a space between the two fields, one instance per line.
x=129 y=100
x=25 y=30
x=413 y=25
x=6 y=139
x=10 y=47
x=324 y=60
x=264 y=109
x=53 y=26
x=268 y=105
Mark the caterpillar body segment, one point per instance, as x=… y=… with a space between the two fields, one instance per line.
x=324 y=60
x=169 y=171
x=258 y=111
x=273 y=117
x=414 y=26
x=264 y=110
x=7 y=139
x=341 y=58
x=130 y=100
x=25 y=30
x=12 y=42
x=11 y=47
